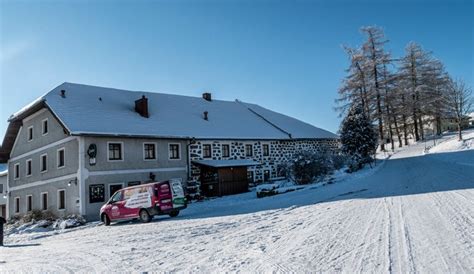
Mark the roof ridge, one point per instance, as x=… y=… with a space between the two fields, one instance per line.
x=151 y=92
x=263 y=118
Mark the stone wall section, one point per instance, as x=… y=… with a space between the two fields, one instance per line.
x=280 y=152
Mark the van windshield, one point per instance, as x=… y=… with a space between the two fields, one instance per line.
x=117 y=197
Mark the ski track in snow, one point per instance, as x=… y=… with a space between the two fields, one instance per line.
x=415 y=213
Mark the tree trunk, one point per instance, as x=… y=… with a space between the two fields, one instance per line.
x=397 y=130
x=459 y=132
x=405 y=129
x=415 y=118
x=422 y=132
x=438 y=125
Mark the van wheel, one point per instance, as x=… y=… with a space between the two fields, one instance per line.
x=174 y=213
x=105 y=219
x=144 y=216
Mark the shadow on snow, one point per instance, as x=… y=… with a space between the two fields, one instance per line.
x=397 y=177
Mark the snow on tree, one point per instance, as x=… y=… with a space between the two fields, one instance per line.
x=377 y=59
x=459 y=103
x=358 y=137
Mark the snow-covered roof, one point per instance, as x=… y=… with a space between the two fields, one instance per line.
x=106 y=111
x=226 y=163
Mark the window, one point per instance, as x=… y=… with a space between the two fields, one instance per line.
x=266 y=175
x=17 y=204
x=149 y=151
x=44 y=162
x=206 y=151
x=44 y=126
x=115 y=152
x=1 y=188
x=60 y=158
x=96 y=193
x=266 y=150
x=29 y=203
x=134 y=183
x=28 y=167
x=248 y=150
x=174 y=151
x=61 y=199
x=250 y=176
x=16 y=171
x=44 y=200
x=225 y=151
x=114 y=188
x=30 y=133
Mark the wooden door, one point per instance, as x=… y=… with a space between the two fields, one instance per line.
x=233 y=180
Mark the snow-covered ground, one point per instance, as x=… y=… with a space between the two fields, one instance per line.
x=413 y=213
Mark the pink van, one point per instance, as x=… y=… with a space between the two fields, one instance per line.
x=144 y=201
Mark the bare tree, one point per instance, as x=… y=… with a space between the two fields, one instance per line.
x=459 y=102
x=354 y=89
x=376 y=58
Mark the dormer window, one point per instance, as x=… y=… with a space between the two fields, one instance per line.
x=44 y=126
x=30 y=133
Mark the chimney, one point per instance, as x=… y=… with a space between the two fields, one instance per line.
x=205 y=115
x=207 y=96
x=63 y=93
x=141 y=106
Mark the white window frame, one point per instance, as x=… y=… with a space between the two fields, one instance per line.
x=230 y=150
x=26 y=203
x=57 y=158
x=253 y=175
x=16 y=172
x=42 y=127
x=42 y=201
x=26 y=167
x=122 y=150
x=156 y=151
x=210 y=150
x=30 y=136
x=57 y=199
x=113 y=184
x=169 y=152
x=41 y=163
x=269 y=150
x=16 y=206
x=252 y=154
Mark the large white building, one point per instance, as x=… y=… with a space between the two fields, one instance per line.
x=71 y=149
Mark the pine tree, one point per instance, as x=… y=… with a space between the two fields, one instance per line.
x=358 y=137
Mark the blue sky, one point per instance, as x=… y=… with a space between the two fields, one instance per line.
x=283 y=55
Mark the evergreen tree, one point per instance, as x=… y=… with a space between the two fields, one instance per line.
x=358 y=137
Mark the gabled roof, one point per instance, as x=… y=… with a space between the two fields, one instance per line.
x=92 y=110
x=106 y=111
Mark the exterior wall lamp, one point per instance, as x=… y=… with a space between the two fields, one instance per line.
x=73 y=181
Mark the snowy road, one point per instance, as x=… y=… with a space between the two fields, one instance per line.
x=413 y=214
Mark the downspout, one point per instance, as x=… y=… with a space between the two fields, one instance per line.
x=190 y=142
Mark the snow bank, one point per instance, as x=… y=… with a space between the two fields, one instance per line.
x=453 y=144
x=40 y=226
